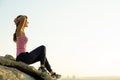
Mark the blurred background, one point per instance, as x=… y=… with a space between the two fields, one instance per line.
x=82 y=37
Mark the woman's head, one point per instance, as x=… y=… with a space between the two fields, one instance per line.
x=18 y=19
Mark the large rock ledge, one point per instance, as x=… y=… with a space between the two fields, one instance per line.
x=14 y=70
x=7 y=73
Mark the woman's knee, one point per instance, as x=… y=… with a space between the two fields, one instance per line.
x=43 y=47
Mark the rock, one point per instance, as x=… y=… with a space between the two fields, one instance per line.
x=9 y=57
x=8 y=73
x=20 y=69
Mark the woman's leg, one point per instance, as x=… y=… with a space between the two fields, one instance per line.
x=38 y=54
x=47 y=65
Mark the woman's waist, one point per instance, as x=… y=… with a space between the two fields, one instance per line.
x=21 y=52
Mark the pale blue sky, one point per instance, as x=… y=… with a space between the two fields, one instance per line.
x=82 y=37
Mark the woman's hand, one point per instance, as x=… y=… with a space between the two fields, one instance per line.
x=17 y=20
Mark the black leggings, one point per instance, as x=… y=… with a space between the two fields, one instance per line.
x=38 y=54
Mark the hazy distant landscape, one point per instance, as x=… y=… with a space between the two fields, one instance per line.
x=92 y=78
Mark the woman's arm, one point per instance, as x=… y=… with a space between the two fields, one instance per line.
x=20 y=27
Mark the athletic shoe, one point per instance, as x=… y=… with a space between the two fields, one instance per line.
x=57 y=76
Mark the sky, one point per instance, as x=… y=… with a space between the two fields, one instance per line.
x=82 y=37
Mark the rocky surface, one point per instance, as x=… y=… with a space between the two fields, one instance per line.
x=10 y=69
x=7 y=73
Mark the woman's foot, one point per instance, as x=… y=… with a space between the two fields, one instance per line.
x=43 y=69
x=54 y=75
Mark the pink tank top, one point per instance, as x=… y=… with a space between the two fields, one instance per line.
x=21 y=44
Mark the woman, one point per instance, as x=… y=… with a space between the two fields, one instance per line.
x=38 y=54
